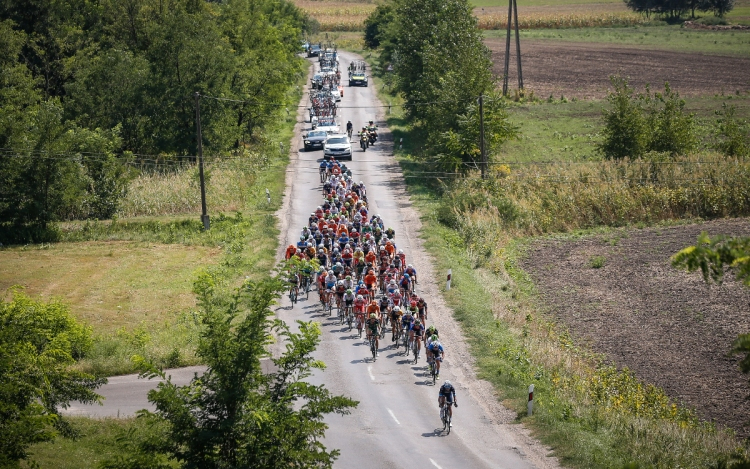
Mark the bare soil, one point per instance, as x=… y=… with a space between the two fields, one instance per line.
x=666 y=325
x=582 y=70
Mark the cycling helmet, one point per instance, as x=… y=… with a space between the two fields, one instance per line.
x=393 y=281
x=309 y=245
x=348 y=277
x=360 y=297
x=446 y=383
x=417 y=322
x=340 y=282
x=372 y=315
x=330 y=272
x=360 y=182
x=406 y=276
x=409 y=266
x=400 y=251
x=349 y=291
x=338 y=264
x=302 y=238
x=320 y=246
x=396 y=309
x=434 y=338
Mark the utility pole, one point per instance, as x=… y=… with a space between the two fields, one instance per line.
x=199 y=139
x=512 y=13
x=481 y=137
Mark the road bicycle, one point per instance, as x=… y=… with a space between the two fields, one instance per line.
x=323 y=175
x=349 y=316
x=416 y=346
x=360 y=323
x=372 y=347
x=433 y=368
x=445 y=416
x=329 y=302
x=293 y=293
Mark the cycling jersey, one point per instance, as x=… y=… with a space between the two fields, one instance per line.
x=417 y=329
x=373 y=324
x=449 y=392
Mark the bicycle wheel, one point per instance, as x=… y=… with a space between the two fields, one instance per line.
x=372 y=348
x=416 y=353
x=448 y=420
x=433 y=372
x=349 y=319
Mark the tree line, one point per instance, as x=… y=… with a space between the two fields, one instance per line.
x=678 y=8
x=87 y=85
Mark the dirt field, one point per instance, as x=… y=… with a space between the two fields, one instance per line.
x=582 y=70
x=665 y=325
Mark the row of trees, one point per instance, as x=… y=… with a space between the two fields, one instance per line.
x=441 y=67
x=678 y=8
x=86 y=84
x=639 y=123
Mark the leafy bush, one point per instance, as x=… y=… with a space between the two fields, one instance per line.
x=733 y=134
x=639 y=123
x=38 y=344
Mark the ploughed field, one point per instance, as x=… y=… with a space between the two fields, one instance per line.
x=666 y=325
x=582 y=70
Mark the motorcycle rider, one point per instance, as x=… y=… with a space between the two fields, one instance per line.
x=349 y=128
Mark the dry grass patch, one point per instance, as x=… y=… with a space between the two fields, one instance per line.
x=109 y=285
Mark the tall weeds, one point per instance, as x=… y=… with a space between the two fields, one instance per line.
x=542 y=198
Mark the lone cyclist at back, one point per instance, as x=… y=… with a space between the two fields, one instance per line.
x=447 y=391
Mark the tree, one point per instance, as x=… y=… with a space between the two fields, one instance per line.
x=625 y=132
x=38 y=344
x=733 y=134
x=440 y=61
x=377 y=23
x=720 y=7
x=458 y=149
x=234 y=415
x=673 y=130
x=712 y=256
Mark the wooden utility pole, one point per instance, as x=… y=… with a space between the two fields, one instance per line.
x=512 y=14
x=199 y=139
x=481 y=137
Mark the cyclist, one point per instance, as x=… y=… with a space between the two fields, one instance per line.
x=340 y=290
x=373 y=329
x=416 y=333
x=348 y=300
x=422 y=308
x=290 y=251
x=412 y=272
x=405 y=284
x=349 y=128
x=431 y=331
x=447 y=392
x=370 y=280
x=396 y=316
x=437 y=352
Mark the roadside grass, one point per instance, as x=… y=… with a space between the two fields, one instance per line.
x=591 y=414
x=131 y=279
x=675 y=38
x=97 y=441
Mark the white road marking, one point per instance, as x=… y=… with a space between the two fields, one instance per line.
x=435 y=464
x=394 y=416
x=372 y=377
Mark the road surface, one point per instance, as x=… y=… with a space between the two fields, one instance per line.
x=397 y=421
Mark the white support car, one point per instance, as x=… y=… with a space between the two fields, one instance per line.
x=328 y=124
x=337 y=146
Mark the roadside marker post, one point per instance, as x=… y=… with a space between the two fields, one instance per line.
x=268 y=196
x=401 y=144
x=531 y=400
x=448 y=283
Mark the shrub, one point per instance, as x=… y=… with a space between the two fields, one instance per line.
x=732 y=133
x=625 y=128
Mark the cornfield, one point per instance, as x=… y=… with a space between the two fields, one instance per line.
x=350 y=16
x=493 y=21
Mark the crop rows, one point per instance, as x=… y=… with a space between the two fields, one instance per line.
x=546 y=21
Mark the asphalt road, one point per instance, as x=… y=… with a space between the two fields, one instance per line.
x=397 y=421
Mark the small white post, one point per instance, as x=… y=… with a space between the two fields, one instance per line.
x=531 y=400
x=401 y=144
x=268 y=196
x=448 y=283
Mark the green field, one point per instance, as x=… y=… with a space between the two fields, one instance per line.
x=570 y=131
x=536 y=3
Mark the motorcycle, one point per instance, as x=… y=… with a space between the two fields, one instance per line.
x=363 y=142
x=372 y=137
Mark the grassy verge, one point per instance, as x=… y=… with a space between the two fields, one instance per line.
x=591 y=414
x=673 y=38
x=131 y=278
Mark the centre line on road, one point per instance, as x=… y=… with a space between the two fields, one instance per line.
x=435 y=464
x=394 y=416
x=369 y=370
